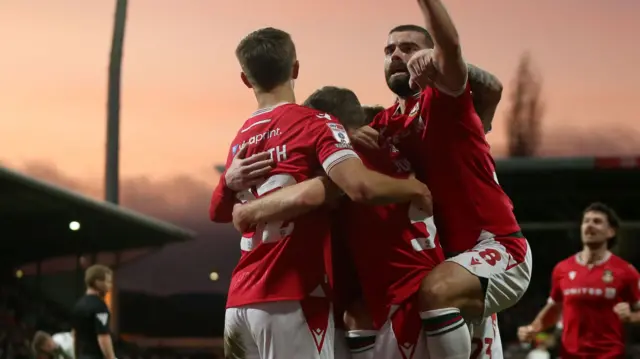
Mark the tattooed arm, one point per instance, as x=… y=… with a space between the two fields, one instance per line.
x=487 y=92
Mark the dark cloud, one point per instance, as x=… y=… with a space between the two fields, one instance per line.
x=182 y=200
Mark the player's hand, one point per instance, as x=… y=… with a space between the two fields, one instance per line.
x=526 y=334
x=423 y=201
x=239 y=220
x=365 y=136
x=623 y=310
x=243 y=173
x=423 y=71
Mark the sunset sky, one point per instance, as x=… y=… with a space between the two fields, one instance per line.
x=183 y=99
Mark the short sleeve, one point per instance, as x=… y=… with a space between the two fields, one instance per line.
x=556 y=292
x=632 y=292
x=101 y=320
x=332 y=144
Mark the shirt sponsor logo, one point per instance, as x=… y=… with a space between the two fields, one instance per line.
x=608 y=293
x=255 y=139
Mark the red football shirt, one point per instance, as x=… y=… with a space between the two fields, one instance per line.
x=444 y=139
x=393 y=247
x=287 y=261
x=588 y=294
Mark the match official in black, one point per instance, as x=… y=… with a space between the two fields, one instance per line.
x=91 y=316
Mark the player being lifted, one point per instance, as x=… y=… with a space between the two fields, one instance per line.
x=279 y=299
x=596 y=292
x=490 y=264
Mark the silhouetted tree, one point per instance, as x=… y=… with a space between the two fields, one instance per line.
x=525 y=116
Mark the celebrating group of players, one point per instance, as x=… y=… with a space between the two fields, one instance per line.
x=402 y=239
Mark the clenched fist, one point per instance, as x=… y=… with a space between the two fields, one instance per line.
x=422 y=69
x=526 y=333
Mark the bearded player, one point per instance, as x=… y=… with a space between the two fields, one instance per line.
x=596 y=292
x=489 y=268
x=279 y=301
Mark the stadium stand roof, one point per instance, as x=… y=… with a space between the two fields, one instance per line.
x=35 y=219
x=550 y=193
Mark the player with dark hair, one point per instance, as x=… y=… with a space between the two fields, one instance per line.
x=371 y=112
x=595 y=291
x=279 y=301
x=91 y=316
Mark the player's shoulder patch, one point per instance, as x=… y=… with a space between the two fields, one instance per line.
x=339 y=133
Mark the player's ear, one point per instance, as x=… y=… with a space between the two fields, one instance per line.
x=296 y=68
x=245 y=80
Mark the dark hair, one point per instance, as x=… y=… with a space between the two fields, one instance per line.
x=612 y=218
x=339 y=102
x=267 y=57
x=95 y=273
x=39 y=338
x=415 y=28
x=370 y=112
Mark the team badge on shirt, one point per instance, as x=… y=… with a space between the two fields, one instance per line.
x=339 y=133
x=572 y=275
x=607 y=276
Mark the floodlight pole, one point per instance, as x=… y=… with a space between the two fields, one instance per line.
x=112 y=193
x=112 y=175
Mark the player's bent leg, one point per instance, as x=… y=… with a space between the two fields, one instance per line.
x=292 y=329
x=503 y=266
x=238 y=341
x=443 y=293
x=361 y=335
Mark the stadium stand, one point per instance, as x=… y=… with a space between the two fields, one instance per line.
x=40 y=221
x=36 y=222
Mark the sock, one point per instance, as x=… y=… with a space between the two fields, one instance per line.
x=447 y=334
x=361 y=343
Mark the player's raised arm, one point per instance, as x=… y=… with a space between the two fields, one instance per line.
x=550 y=313
x=487 y=93
x=446 y=58
x=286 y=203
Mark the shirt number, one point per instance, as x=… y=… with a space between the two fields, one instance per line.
x=269 y=232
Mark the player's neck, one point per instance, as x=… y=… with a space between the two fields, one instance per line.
x=592 y=255
x=281 y=94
